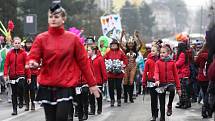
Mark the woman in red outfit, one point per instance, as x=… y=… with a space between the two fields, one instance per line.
x=148 y=77
x=166 y=76
x=62 y=56
x=14 y=69
x=32 y=87
x=98 y=65
x=202 y=79
x=182 y=63
x=115 y=78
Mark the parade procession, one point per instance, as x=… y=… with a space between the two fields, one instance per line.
x=106 y=60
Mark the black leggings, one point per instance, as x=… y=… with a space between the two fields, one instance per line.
x=154 y=101
x=128 y=90
x=82 y=103
x=99 y=101
x=115 y=83
x=58 y=112
x=162 y=96
x=17 y=91
x=31 y=88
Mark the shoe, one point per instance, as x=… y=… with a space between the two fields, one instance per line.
x=178 y=103
x=27 y=107
x=178 y=106
x=85 y=117
x=32 y=106
x=153 y=118
x=194 y=100
x=112 y=103
x=131 y=100
x=162 y=119
x=14 y=113
x=99 y=112
x=20 y=105
x=125 y=101
x=169 y=112
x=118 y=103
x=76 y=114
x=91 y=113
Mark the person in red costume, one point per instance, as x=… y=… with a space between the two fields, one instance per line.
x=148 y=78
x=98 y=65
x=62 y=56
x=30 y=89
x=115 y=78
x=166 y=77
x=14 y=70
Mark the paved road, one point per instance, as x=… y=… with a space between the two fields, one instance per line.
x=138 y=111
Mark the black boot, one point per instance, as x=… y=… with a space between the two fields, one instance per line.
x=112 y=103
x=118 y=103
x=32 y=106
x=204 y=112
x=162 y=119
x=85 y=116
x=169 y=111
x=14 y=109
x=27 y=107
x=92 y=110
x=131 y=100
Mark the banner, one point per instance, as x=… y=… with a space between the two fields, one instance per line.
x=111 y=25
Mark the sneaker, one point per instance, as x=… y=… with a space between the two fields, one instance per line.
x=153 y=118
x=169 y=112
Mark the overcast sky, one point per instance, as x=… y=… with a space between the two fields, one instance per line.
x=196 y=3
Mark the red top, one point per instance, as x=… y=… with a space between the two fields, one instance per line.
x=183 y=69
x=200 y=61
x=166 y=72
x=116 y=54
x=149 y=68
x=99 y=69
x=62 y=55
x=15 y=64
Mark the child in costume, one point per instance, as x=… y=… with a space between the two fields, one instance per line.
x=166 y=77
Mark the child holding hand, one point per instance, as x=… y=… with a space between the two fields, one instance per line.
x=166 y=76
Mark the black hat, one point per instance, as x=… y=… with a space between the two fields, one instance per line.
x=89 y=40
x=114 y=41
x=54 y=7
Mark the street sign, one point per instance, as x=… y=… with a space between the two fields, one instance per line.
x=30 y=24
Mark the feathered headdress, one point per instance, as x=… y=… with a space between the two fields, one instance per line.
x=7 y=32
x=131 y=39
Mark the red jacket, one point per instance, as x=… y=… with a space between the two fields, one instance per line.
x=116 y=54
x=149 y=68
x=166 y=72
x=200 y=61
x=99 y=69
x=62 y=55
x=183 y=69
x=15 y=64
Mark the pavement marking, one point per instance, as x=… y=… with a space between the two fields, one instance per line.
x=21 y=114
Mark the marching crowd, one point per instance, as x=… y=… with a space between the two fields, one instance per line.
x=58 y=71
